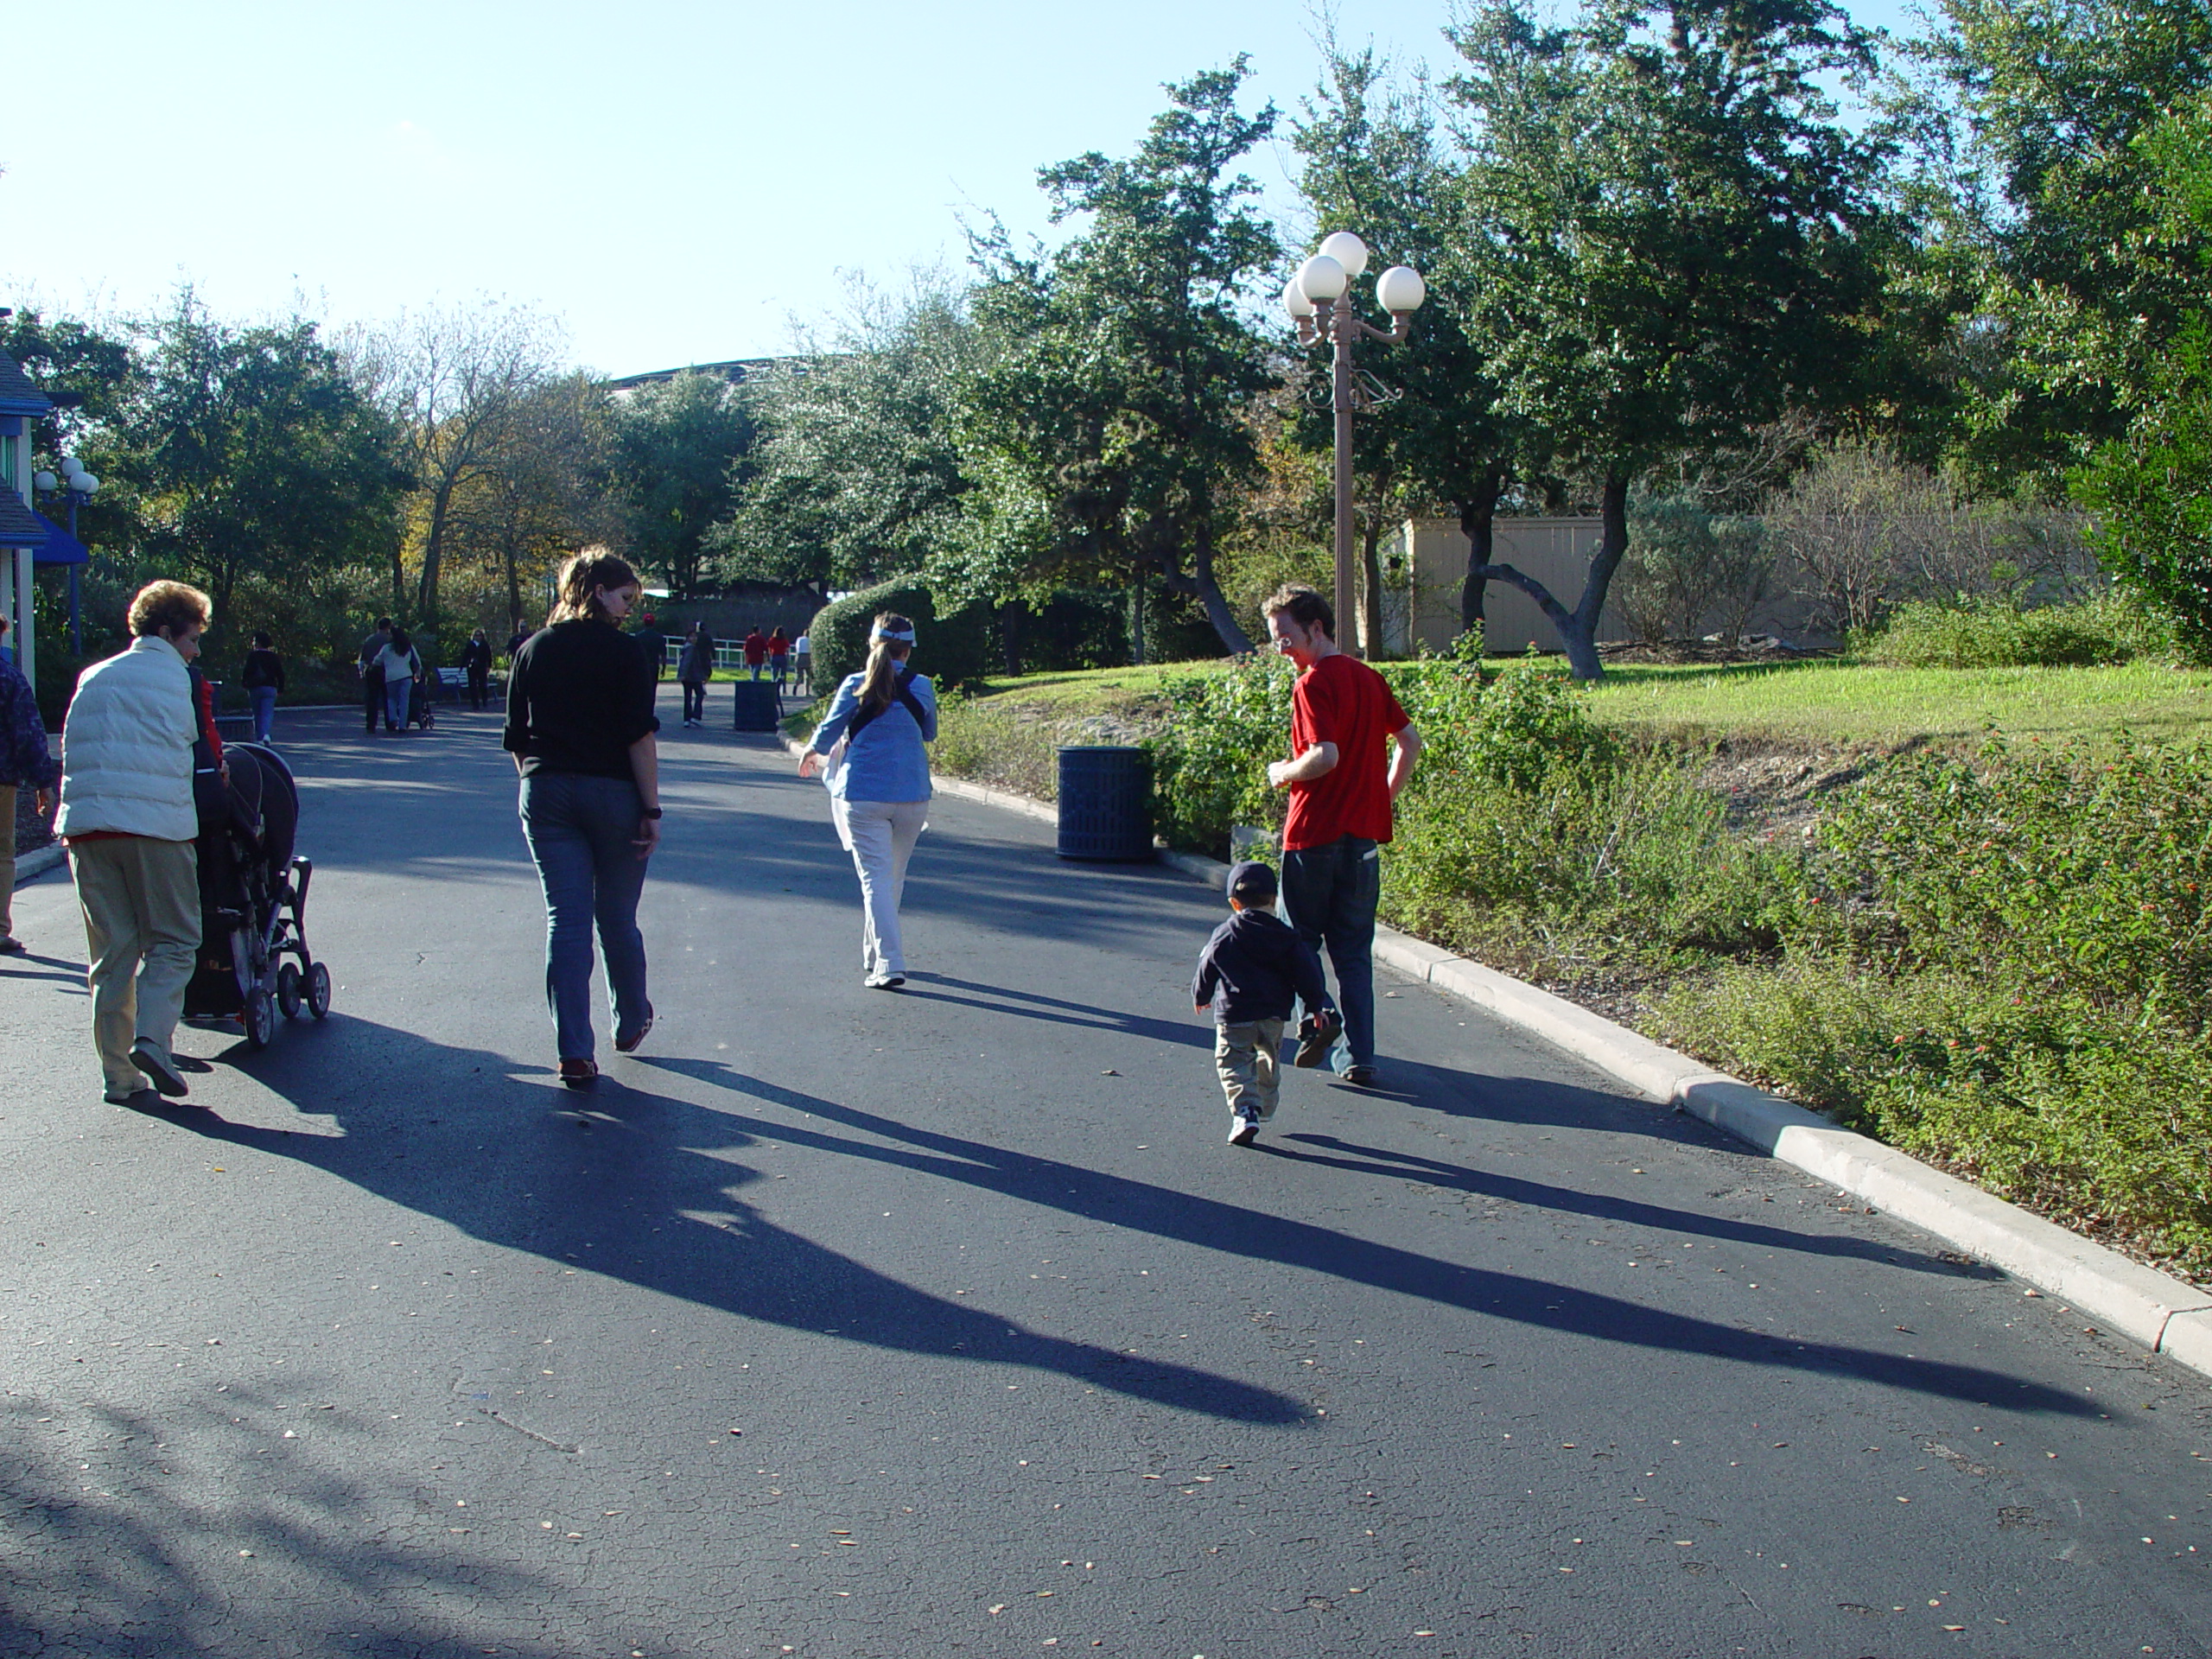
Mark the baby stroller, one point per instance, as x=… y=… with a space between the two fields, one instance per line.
x=253 y=896
x=419 y=712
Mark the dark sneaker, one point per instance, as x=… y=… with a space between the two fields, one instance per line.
x=124 y=1097
x=579 y=1074
x=1317 y=1035
x=1242 y=1130
x=1357 y=1076
x=12 y=946
x=156 y=1065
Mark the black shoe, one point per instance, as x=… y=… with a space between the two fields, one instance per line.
x=12 y=946
x=1317 y=1035
x=1358 y=1075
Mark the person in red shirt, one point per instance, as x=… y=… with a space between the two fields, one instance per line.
x=1352 y=751
x=756 y=652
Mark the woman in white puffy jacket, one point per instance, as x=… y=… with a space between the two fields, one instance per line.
x=128 y=820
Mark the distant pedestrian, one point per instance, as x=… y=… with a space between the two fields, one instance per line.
x=403 y=666
x=779 y=658
x=26 y=762
x=476 y=663
x=1250 y=970
x=370 y=666
x=879 y=777
x=756 y=652
x=580 y=726
x=653 y=643
x=695 y=666
x=128 y=821
x=515 y=642
x=803 y=663
x=1342 y=785
x=262 y=676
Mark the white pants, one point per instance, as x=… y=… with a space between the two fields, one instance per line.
x=881 y=835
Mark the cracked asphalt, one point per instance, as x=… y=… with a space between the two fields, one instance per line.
x=845 y=1323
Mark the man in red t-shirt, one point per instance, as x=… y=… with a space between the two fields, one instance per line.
x=1342 y=783
x=756 y=652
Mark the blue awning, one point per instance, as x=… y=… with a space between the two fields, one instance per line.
x=59 y=546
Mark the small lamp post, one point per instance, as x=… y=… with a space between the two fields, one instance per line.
x=1318 y=299
x=81 y=486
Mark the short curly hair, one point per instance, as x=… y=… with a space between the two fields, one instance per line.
x=171 y=605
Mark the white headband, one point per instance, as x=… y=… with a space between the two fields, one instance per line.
x=902 y=636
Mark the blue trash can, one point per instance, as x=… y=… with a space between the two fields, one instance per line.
x=1105 y=803
x=759 y=709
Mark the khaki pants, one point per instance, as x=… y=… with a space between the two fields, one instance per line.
x=1249 y=1058
x=140 y=899
x=7 y=859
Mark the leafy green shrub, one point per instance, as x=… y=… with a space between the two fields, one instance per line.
x=2047 y=1100
x=955 y=649
x=1986 y=633
x=1209 y=765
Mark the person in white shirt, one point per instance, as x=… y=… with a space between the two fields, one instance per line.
x=128 y=820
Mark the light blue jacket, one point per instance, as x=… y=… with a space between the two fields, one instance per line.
x=886 y=761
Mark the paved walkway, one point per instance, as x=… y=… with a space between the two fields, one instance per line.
x=844 y=1323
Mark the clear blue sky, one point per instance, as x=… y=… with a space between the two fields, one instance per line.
x=675 y=180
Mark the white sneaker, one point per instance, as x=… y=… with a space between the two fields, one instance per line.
x=1242 y=1130
x=886 y=981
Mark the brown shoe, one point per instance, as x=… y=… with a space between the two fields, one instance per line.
x=580 y=1074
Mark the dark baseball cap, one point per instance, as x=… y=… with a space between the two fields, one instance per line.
x=1251 y=881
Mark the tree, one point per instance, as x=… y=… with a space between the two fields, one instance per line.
x=1104 y=432
x=251 y=452
x=452 y=380
x=1667 y=217
x=682 y=450
x=856 y=477
x=2085 y=279
x=541 y=496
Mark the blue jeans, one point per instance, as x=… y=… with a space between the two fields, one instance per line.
x=263 y=698
x=580 y=831
x=1330 y=893
x=395 y=702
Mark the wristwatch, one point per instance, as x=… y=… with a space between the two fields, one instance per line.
x=651 y=813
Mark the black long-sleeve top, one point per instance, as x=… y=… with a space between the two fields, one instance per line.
x=578 y=695
x=1252 y=967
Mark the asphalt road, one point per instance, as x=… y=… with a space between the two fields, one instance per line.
x=849 y=1323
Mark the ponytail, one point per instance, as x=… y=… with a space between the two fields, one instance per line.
x=878 y=682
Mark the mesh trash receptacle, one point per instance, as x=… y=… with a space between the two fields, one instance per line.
x=759 y=709
x=1105 y=803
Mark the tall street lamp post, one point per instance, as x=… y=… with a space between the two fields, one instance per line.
x=80 y=485
x=1318 y=298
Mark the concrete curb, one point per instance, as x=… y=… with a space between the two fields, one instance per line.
x=2164 y=1314
x=32 y=865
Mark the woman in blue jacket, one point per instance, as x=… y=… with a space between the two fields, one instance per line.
x=878 y=776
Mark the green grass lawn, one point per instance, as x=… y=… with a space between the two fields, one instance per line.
x=1830 y=701
x=1821 y=701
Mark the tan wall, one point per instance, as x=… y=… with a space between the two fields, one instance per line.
x=1555 y=551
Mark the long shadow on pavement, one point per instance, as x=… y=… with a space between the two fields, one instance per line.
x=1234 y=1229
x=651 y=1205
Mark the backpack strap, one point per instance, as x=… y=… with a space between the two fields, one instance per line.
x=902 y=686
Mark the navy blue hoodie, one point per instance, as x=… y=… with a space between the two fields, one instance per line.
x=1252 y=967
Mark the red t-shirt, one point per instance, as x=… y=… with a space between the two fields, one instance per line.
x=1341 y=699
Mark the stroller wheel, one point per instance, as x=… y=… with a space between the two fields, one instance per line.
x=289 y=990
x=260 y=1017
x=318 y=989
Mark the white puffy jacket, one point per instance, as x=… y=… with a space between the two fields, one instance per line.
x=126 y=746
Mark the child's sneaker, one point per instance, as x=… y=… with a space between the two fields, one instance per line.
x=1317 y=1035
x=1242 y=1130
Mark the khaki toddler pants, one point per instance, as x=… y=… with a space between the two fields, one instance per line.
x=1249 y=1058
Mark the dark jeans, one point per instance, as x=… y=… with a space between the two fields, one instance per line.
x=479 y=686
x=1330 y=893
x=373 y=697
x=580 y=831
x=694 y=700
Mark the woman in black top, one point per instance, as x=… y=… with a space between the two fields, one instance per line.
x=264 y=676
x=580 y=726
x=476 y=662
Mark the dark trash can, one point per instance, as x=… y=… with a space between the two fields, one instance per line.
x=759 y=709
x=1105 y=803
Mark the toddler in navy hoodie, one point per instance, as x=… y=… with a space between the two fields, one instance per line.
x=1249 y=972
